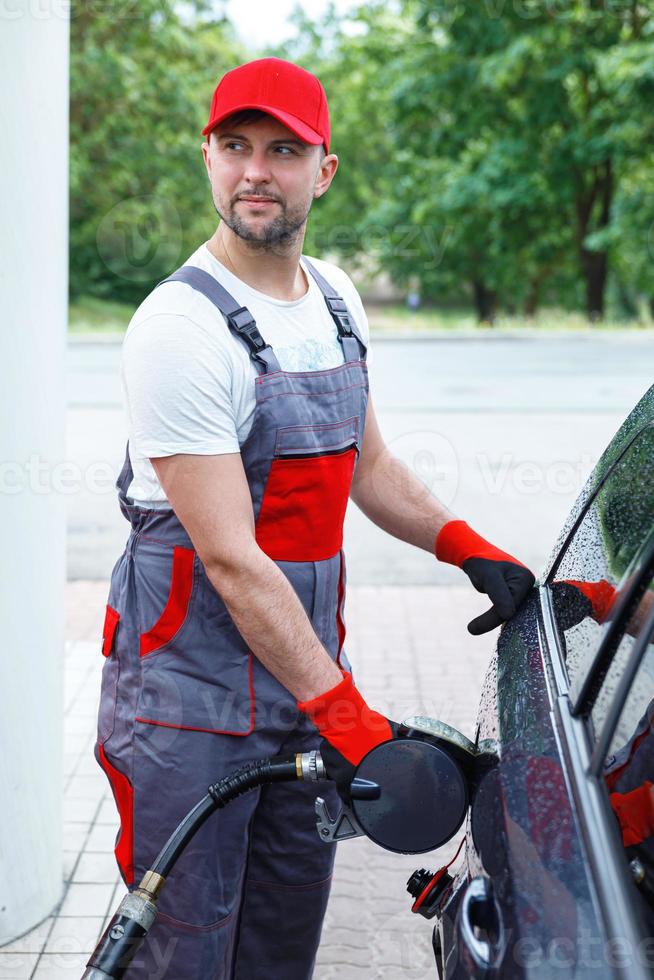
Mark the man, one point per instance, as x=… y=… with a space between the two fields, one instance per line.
x=225 y=613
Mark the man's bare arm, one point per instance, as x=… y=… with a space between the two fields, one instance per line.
x=211 y=498
x=388 y=493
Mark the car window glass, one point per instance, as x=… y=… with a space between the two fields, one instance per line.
x=628 y=769
x=641 y=691
x=600 y=552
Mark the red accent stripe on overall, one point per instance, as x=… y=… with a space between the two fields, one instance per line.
x=181 y=586
x=303 y=506
x=124 y=797
x=111 y=619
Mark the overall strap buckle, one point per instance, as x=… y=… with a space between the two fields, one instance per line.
x=242 y=322
x=338 y=309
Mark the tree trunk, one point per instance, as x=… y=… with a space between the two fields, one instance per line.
x=595 y=268
x=531 y=303
x=532 y=298
x=594 y=265
x=485 y=302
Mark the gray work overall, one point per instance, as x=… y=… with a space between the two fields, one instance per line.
x=184 y=701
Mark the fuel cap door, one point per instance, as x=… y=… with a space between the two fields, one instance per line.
x=423 y=796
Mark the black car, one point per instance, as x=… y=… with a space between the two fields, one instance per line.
x=558 y=875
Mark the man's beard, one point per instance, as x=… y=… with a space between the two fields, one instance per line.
x=277 y=234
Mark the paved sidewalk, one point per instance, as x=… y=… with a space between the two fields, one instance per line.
x=411 y=652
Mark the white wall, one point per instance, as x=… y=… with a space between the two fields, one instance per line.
x=33 y=309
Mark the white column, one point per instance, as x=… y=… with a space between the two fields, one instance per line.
x=33 y=311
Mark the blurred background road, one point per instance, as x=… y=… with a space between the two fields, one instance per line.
x=503 y=429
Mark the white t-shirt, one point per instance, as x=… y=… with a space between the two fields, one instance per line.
x=188 y=382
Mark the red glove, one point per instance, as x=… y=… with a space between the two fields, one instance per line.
x=503 y=578
x=349 y=729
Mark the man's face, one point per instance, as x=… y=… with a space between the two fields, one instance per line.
x=264 y=179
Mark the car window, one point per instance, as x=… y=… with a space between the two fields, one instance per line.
x=628 y=765
x=641 y=691
x=598 y=559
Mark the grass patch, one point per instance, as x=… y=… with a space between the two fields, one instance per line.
x=397 y=318
x=88 y=314
x=385 y=317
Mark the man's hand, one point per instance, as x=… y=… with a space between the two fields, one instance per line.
x=504 y=579
x=349 y=729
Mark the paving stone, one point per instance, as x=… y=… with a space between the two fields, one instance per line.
x=73 y=935
x=60 y=966
x=96 y=867
x=82 y=900
x=17 y=966
x=79 y=811
x=30 y=942
x=102 y=838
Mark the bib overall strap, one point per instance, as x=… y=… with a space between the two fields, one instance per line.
x=239 y=319
x=134 y=513
x=354 y=348
x=125 y=476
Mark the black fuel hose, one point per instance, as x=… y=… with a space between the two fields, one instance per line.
x=219 y=795
x=136 y=913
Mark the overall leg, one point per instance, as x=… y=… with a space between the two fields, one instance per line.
x=193 y=935
x=288 y=877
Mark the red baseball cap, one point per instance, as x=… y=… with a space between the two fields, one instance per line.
x=289 y=93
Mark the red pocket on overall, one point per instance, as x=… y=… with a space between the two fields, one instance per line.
x=196 y=668
x=306 y=494
x=176 y=608
x=111 y=620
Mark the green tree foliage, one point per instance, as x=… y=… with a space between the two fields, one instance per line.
x=512 y=138
x=499 y=149
x=516 y=112
x=142 y=74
